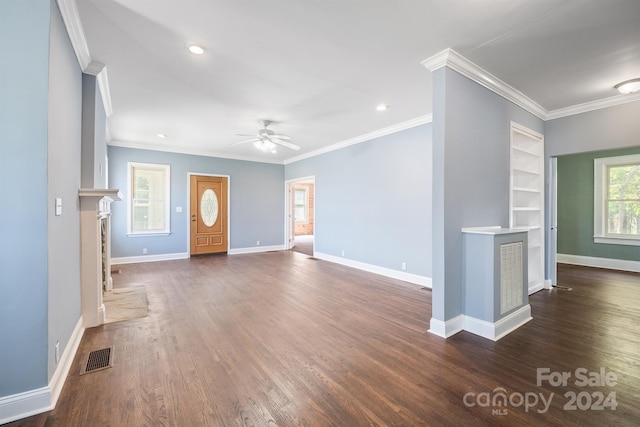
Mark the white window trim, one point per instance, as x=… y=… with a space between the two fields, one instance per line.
x=306 y=204
x=167 y=206
x=600 y=189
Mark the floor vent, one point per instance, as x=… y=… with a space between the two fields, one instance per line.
x=313 y=258
x=97 y=360
x=424 y=288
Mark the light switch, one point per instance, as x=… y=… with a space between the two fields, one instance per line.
x=58 y=206
x=178 y=208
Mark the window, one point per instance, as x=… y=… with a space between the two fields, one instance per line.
x=301 y=203
x=617 y=200
x=148 y=199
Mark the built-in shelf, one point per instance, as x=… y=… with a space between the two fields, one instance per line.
x=525 y=189
x=516 y=169
x=531 y=152
x=526 y=196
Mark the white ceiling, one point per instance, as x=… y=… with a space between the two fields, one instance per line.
x=318 y=68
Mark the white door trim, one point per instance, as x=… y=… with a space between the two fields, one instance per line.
x=288 y=226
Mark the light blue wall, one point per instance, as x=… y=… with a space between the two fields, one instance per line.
x=605 y=129
x=256 y=201
x=24 y=79
x=65 y=112
x=373 y=200
x=471 y=174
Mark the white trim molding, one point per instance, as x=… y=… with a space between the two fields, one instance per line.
x=383 y=271
x=428 y=118
x=256 y=249
x=592 y=105
x=99 y=70
x=149 y=258
x=73 y=24
x=448 y=328
x=33 y=402
x=27 y=404
x=64 y=366
x=609 y=263
x=71 y=18
x=452 y=59
x=493 y=331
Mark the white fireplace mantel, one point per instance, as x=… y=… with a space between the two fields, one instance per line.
x=95 y=207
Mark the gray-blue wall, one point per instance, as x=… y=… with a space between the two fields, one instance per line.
x=256 y=201
x=94 y=141
x=373 y=200
x=605 y=129
x=470 y=174
x=24 y=71
x=65 y=112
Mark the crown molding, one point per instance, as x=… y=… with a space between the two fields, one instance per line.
x=593 y=105
x=190 y=151
x=421 y=120
x=71 y=18
x=103 y=85
x=452 y=59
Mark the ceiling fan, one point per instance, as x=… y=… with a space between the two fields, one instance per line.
x=266 y=139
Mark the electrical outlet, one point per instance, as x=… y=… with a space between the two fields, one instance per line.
x=57 y=351
x=144 y=251
x=404 y=266
x=258 y=243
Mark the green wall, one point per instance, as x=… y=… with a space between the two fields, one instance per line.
x=575 y=208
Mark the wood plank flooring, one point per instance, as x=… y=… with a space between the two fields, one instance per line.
x=278 y=339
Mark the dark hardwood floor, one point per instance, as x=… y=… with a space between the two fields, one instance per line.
x=280 y=339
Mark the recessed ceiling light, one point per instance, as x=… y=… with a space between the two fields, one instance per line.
x=161 y=135
x=195 y=49
x=629 y=86
x=382 y=107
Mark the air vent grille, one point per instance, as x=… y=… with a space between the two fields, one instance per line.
x=97 y=360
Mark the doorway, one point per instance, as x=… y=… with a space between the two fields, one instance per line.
x=208 y=214
x=301 y=227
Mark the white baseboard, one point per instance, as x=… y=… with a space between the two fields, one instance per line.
x=64 y=365
x=149 y=258
x=22 y=405
x=383 y=271
x=497 y=330
x=448 y=328
x=610 y=263
x=536 y=288
x=492 y=331
x=256 y=249
x=34 y=402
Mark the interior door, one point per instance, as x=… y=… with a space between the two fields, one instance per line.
x=208 y=210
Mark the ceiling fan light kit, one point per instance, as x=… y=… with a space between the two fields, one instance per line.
x=267 y=140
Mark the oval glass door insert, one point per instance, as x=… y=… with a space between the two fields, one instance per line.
x=209 y=207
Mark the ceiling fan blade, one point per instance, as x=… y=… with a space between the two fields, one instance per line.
x=285 y=144
x=285 y=137
x=246 y=134
x=248 y=140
